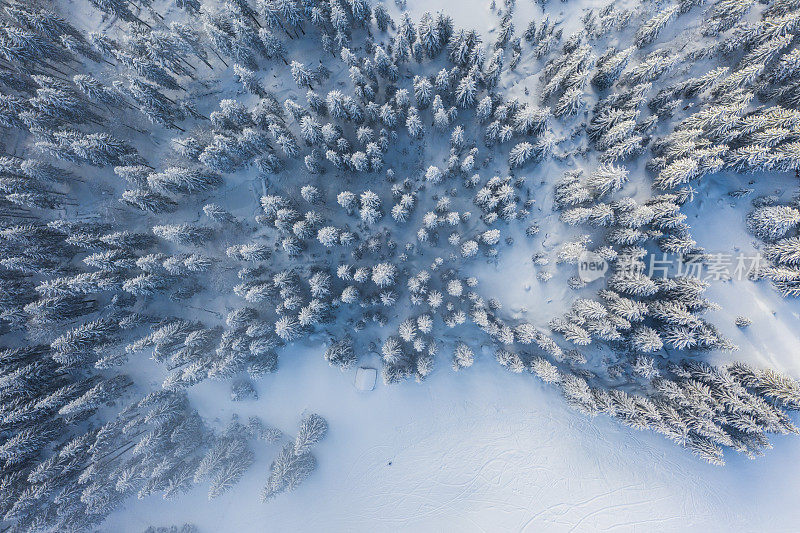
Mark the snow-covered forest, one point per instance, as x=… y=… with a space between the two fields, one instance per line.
x=204 y=202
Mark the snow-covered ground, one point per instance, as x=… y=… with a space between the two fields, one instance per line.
x=478 y=450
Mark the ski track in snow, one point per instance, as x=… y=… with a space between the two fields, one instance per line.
x=480 y=450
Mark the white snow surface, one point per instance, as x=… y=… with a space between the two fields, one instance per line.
x=477 y=450
x=365 y=379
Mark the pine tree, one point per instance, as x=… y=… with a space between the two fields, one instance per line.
x=183 y=180
x=313 y=429
x=772 y=222
x=648 y=32
x=607 y=179
x=383 y=274
x=288 y=471
x=340 y=353
x=382 y=18
x=520 y=154
x=467 y=90
x=147 y=200
x=104 y=392
x=423 y=91
x=301 y=75
x=218 y=214
x=184 y=234
x=784 y=252
x=249 y=80
x=463 y=356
